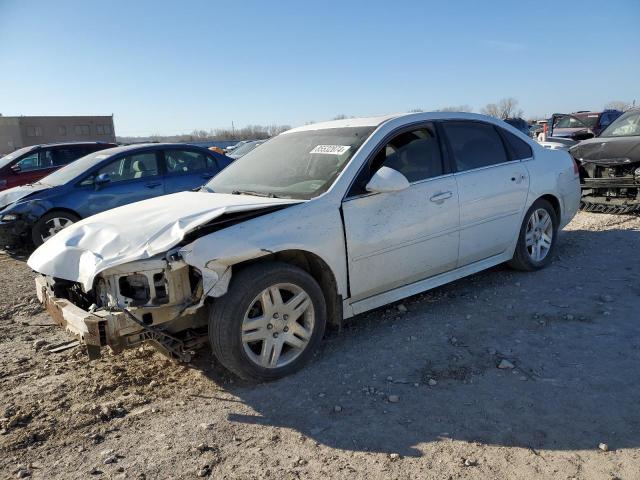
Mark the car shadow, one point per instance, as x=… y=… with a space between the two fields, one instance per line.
x=570 y=331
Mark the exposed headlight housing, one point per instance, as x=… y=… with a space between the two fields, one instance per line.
x=9 y=217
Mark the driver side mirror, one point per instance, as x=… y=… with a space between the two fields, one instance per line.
x=102 y=179
x=387 y=180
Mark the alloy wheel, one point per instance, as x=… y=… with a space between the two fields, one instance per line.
x=53 y=226
x=539 y=235
x=278 y=325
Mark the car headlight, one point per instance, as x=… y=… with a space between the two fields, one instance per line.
x=9 y=217
x=637 y=172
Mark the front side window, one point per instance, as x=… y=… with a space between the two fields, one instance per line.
x=29 y=163
x=131 y=167
x=474 y=144
x=298 y=165
x=185 y=161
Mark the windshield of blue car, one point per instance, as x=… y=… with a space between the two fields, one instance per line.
x=300 y=165
x=78 y=167
x=627 y=125
x=7 y=159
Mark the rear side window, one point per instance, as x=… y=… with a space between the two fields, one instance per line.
x=185 y=161
x=474 y=145
x=519 y=148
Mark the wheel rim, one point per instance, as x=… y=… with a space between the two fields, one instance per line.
x=539 y=235
x=53 y=226
x=278 y=325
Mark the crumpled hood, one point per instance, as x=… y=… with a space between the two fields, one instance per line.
x=7 y=197
x=608 y=150
x=134 y=232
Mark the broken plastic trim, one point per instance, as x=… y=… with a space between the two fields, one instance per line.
x=174 y=347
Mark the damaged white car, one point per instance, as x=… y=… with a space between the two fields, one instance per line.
x=319 y=224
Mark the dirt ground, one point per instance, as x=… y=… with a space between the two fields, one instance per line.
x=407 y=391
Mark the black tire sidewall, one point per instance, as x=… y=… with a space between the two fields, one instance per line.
x=521 y=259
x=227 y=314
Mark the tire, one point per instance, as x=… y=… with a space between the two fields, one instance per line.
x=526 y=257
x=247 y=324
x=43 y=229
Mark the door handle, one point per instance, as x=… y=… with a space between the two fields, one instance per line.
x=153 y=184
x=440 y=197
x=518 y=177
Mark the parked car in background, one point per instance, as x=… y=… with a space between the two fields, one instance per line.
x=320 y=223
x=582 y=125
x=100 y=181
x=518 y=123
x=610 y=167
x=30 y=164
x=245 y=148
x=231 y=148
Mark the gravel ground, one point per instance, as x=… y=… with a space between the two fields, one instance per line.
x=408 y=391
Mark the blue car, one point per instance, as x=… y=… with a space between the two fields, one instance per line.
x=100 y=181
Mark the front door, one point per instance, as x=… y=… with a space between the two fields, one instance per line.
x=131 y=178
x=394 y=239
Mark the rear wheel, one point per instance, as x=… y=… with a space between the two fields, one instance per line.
x=50 y=224
x=269 y=323
x=537 y=238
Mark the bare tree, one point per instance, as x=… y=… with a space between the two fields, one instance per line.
x=416 y=110
x=342 y=116
x=505 y=108
x=619 y=105
x=458 y=108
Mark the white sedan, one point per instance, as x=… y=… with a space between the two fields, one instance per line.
x=319 y=224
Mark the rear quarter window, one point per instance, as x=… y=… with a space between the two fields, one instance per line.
x=519 y=149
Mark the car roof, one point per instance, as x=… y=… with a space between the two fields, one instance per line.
x=149 y=146
x=408 y=117
x=62 y=144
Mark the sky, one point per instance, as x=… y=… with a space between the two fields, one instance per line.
x=173 y=67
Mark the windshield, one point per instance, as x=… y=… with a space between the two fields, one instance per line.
x=78 y=167
x=569 y=121
x=7 y=159
x=627 y=125
x=298 y=165
x=589 y=119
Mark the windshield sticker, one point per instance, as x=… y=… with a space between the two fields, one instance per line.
x=331 y=149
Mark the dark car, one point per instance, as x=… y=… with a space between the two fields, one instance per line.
x=519 y=123
x=610 y=167
x=582 y=125
x=30 y=164
x=101 y=181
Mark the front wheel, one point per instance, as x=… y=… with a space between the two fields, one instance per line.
x=50 y=224
x=269 y=323
x=537 y=239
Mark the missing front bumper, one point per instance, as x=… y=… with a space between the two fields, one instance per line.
x=117 y=330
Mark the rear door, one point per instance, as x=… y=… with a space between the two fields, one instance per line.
x=131 y=177
x=186 y=169
x=493 y=186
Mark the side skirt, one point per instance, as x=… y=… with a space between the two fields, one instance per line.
x=391 y=296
